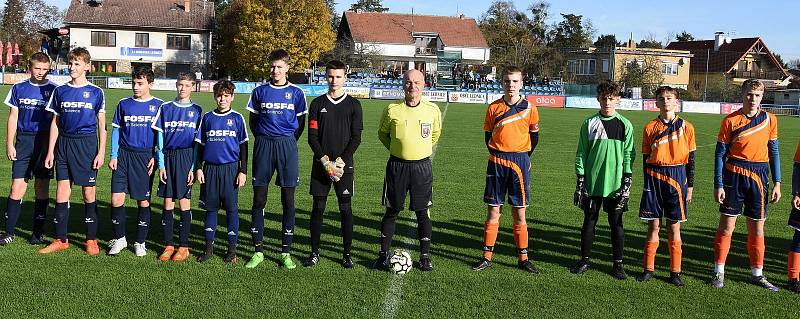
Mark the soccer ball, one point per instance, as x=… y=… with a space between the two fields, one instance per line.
x=400 y=263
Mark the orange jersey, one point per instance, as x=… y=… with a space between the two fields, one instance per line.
x=668 y=144
x=747 y=137
x=511 y=125
x=797 y=154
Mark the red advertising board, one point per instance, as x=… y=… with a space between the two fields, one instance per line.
x=207 y=86
x=728 y=108
x=547 y=100
x=649 y=105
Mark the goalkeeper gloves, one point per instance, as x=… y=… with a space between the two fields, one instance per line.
x=623 y=194
x=580 y=196
x=334 y=169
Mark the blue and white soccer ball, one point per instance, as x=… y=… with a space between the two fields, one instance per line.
x=400 y=262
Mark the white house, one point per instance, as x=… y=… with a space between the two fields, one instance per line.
x=415 y=41
x=169 y=36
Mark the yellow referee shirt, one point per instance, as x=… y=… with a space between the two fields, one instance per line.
x=410 y=132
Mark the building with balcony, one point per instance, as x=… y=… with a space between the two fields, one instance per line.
x=732 y=59
x=121 y=35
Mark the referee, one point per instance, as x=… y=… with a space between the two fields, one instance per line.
x=409 y=130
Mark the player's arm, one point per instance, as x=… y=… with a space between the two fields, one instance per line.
x=580 y=196
x=796 y=185
x=252 y=121
x=11 y=132
x=384 y=128
x=313 y=132
x=241 y=177
x=775 y=168
x=300 y=111
x=112 y=162
x=101 y=139
x=534 y=141
x=356 y=126
x=301 y=120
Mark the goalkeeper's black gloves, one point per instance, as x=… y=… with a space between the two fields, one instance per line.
x=580 y=196
x=623 y=194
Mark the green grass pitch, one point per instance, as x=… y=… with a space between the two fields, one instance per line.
x=71 y=284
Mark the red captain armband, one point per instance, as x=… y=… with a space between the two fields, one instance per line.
x=312 y=124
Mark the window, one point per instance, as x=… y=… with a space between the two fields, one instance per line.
x=104 y=39
x=605 y=66
x=669 y=68
x=178 y=42
x=104 y=66
x=582 y=66
x=142 y=40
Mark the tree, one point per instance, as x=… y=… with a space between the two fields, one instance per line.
x=572 y=32
x=368 y=6
x=505 y=29
x=335 y=18
x=23 y=19
x=650 y=42
x=794 y=64
x=607 y=41
x=250 y=29
x=13 y=14
x=643 y=72
x=781 y=62
x=684 y=36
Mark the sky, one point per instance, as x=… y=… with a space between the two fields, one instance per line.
x=772 y=20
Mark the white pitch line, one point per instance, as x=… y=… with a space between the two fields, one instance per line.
x=394 y=293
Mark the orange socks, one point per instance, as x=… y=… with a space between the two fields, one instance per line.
x=489 y=239
x=521 y=239
x=794 y=265
x=722 y=245
x=755 y=248
x=650 y=249
x=675 y=255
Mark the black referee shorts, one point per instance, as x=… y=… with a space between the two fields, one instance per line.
x=414 y=177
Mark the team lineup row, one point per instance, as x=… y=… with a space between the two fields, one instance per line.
x=62 y=130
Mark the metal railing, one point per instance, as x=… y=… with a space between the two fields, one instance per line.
x=777 y=109
x=771 y=75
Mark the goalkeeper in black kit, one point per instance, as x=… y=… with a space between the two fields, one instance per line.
x=334 y=133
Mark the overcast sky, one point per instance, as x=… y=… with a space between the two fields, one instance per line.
x=771 y=20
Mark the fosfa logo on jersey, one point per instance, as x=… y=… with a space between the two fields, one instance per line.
x=86 y=94
x=77 y=105
x=425 y=130
x=277 y=106
x=221 y=133
x=30 y=102
x=137 y=118
x=180 y=124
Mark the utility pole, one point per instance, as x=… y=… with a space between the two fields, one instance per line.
x=705 y=89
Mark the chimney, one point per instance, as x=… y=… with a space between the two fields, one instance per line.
x=719 y=40
x=187 y=4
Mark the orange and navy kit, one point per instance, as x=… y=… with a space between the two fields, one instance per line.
x=749 y=148
x=668 y=149
x=507 y=173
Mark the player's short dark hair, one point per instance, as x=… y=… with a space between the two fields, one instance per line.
x=667 y=89
x=38 y=57
x=186 y=76
x=511 y=69
x=279 y=54
x=608 y=88
x=752 y=84
x=223 y=87
x=335 y=65
x=143 y=73
x=79 y=53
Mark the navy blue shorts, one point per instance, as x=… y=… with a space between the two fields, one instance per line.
x=746 y=184
x=271 y=154
x=178 y=163
x=414 y=177
x=31 y=151
x=664 y=193
x=220 y=187
x=131 y=174
x=320 y=184
x=74 y=158
x=794 y=219
x=507 y=174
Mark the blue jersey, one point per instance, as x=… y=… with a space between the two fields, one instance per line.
x=30 y=100
x=277 y=109
x=179 y=123
x=221 y=134
x=134 y=119
x=77 y=107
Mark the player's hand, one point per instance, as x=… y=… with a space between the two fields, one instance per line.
x=580 y=195
x=776 y=193
x=48 y=160
x=338 y=168
x=329 y=167
x=150 y=165
x=162 y=175
x=623 y=194
x=689 y=195
x=199 y=177
x=98 y=161
x=719 y=195
x=112 y=164
x=191 y=178
x=241 y=178
x=796 y=202
x=11 y=152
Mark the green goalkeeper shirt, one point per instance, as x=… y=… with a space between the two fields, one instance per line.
x=605 y=152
